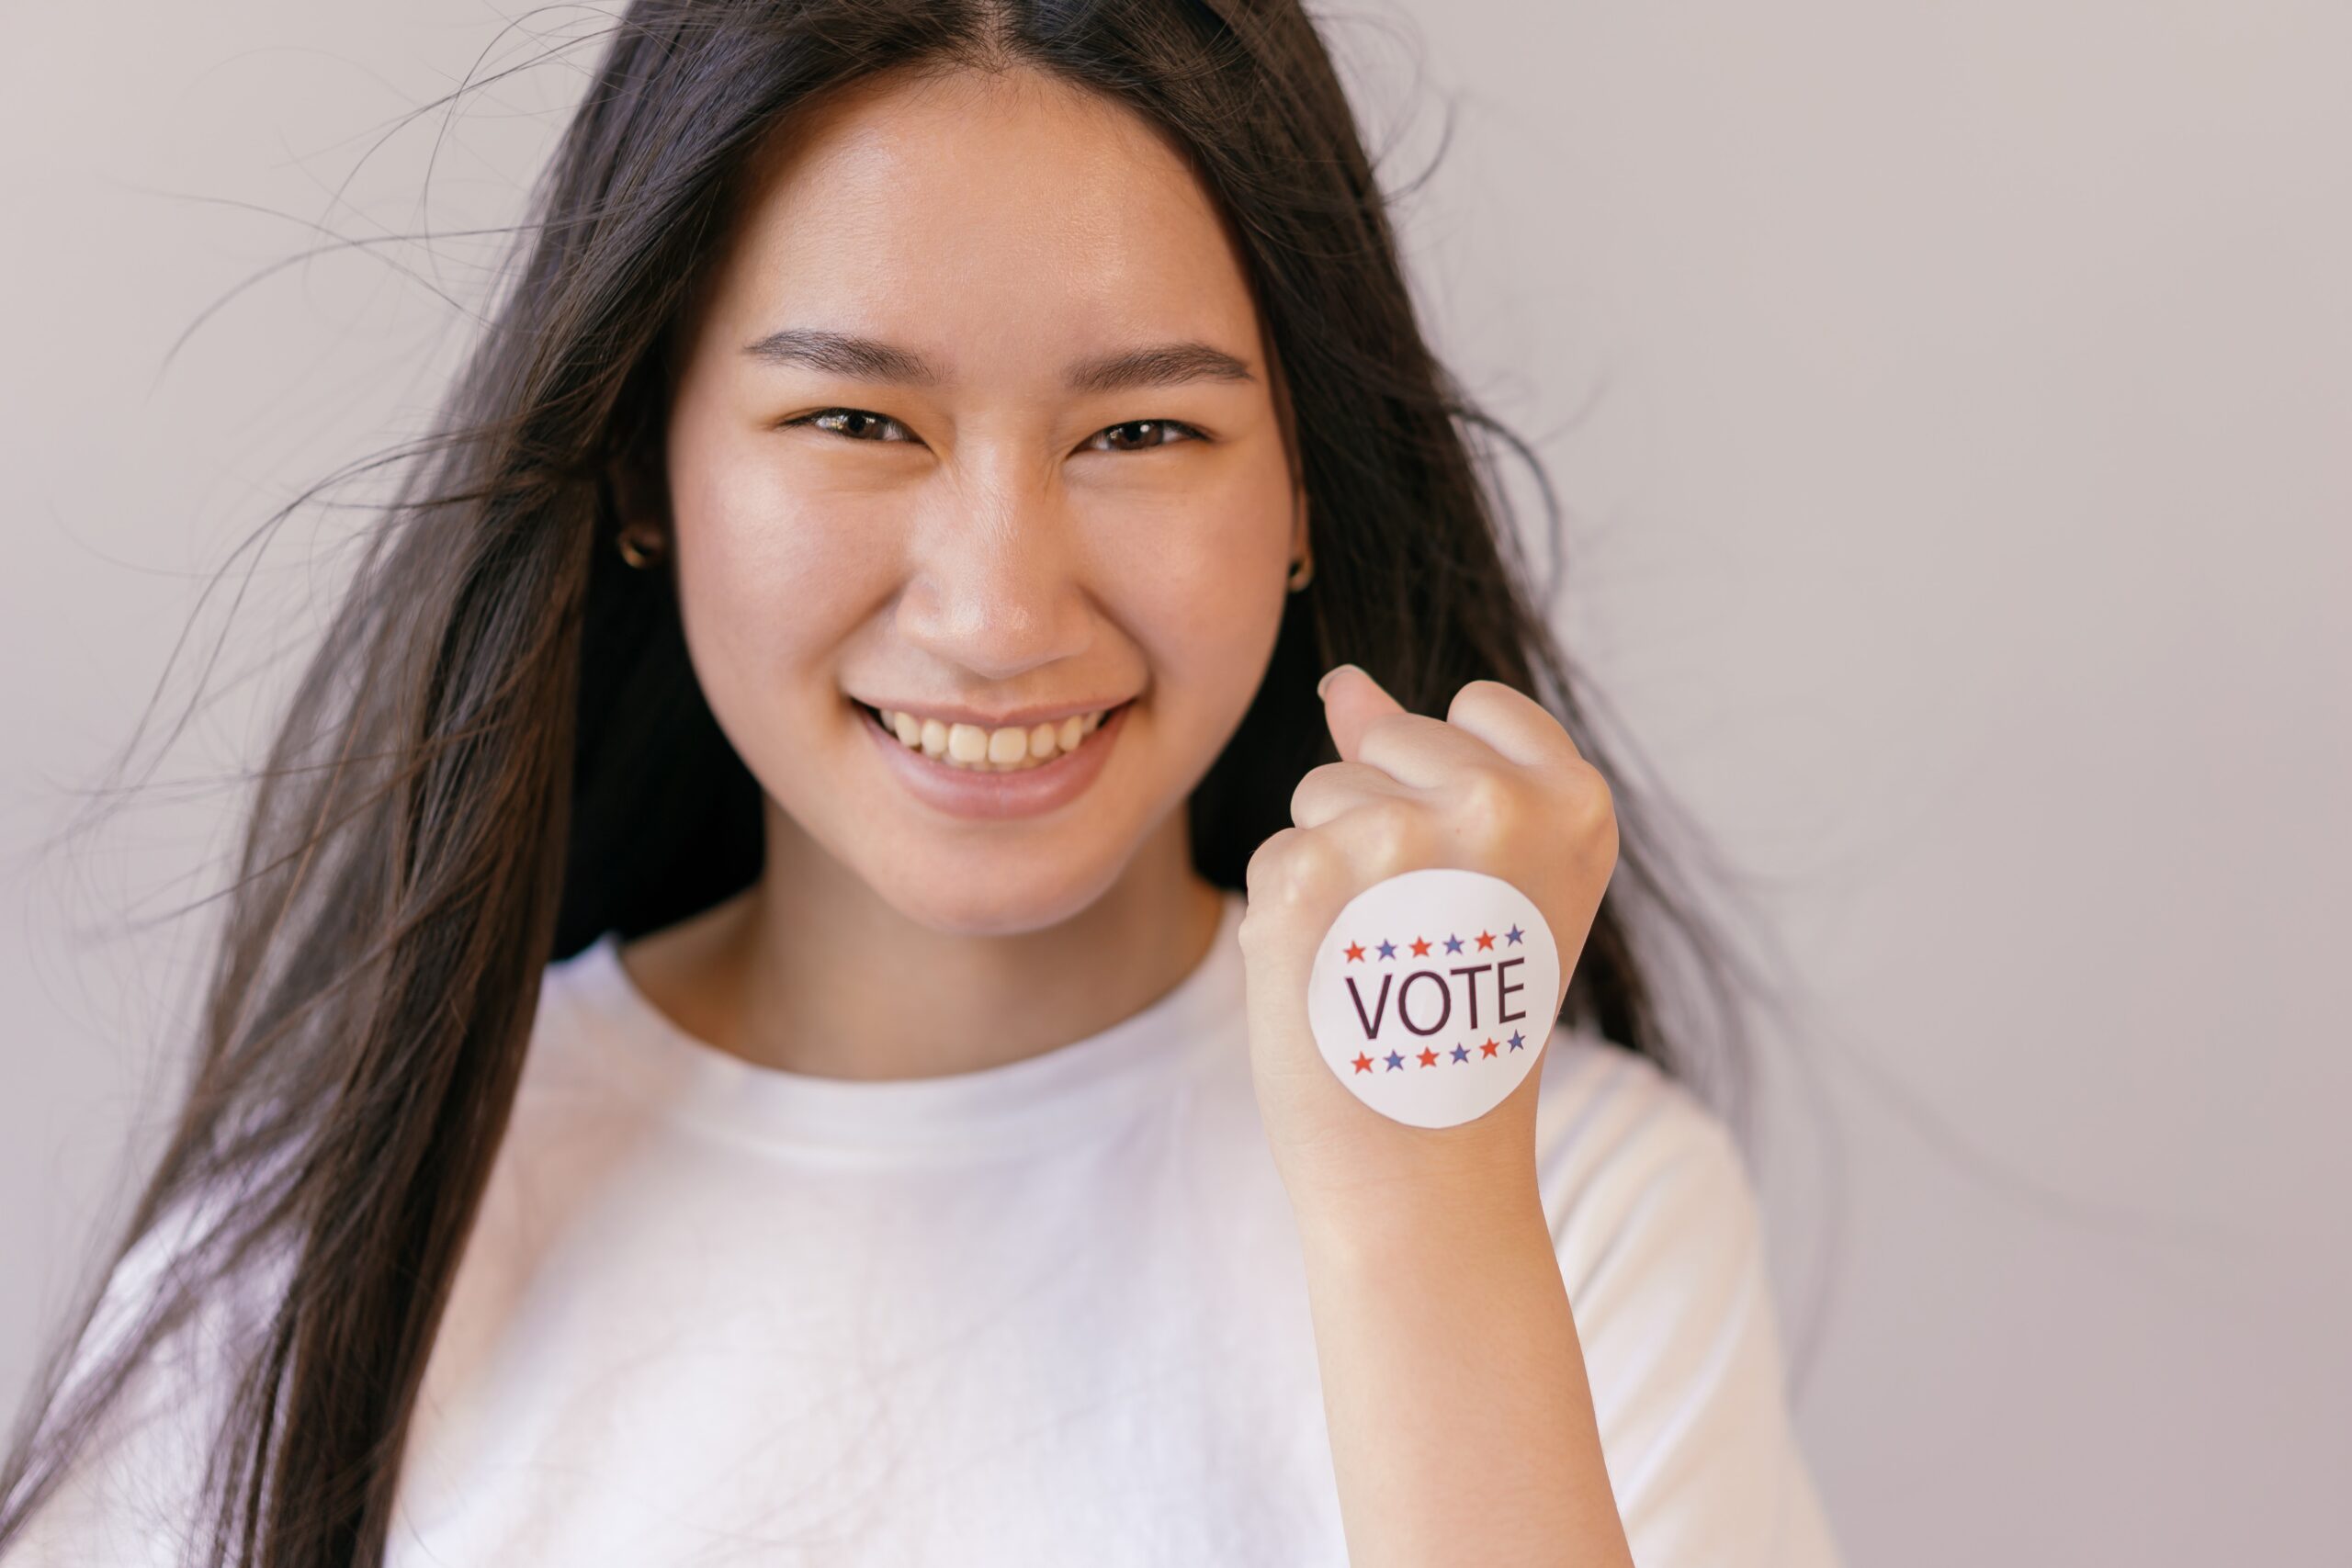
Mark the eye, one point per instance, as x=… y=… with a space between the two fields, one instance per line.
x=858 y=424
x=1141 y=435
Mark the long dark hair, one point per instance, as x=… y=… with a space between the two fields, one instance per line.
x=499 y=751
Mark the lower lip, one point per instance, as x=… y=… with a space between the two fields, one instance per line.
x=966 y=792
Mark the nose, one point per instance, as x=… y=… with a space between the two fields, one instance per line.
x=992 y=584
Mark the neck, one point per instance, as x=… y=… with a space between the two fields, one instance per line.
x=812 y=971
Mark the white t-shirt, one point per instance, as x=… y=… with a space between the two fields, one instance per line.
x=1052 y=1311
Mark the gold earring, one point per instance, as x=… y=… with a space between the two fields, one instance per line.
x=641 y=547
x=1302 y=572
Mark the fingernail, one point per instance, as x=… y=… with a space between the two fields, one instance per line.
x=1328 y=674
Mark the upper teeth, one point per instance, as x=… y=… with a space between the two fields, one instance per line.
x=991 y=750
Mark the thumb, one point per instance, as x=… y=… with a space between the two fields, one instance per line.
x=1352 y=699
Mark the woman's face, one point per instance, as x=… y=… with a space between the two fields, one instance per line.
x=977 y=427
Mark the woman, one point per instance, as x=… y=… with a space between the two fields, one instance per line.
x=738 y=1036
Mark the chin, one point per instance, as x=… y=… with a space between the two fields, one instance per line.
x=989 y=901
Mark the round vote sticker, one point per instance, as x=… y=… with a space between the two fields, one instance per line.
x=1432 y=994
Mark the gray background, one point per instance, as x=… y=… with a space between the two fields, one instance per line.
x=1955 y=408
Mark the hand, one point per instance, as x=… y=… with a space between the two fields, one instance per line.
x=1495 y=786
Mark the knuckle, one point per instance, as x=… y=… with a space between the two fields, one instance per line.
x=1473 y=696
x=1257 y=875
x=1484 y=810
x=1592 y=806
x=1390 y=832
x=1312 y=782
x=1604 y=804
x=1292 y=870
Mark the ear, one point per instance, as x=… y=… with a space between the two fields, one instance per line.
x=641 y=488
x=1278 y=386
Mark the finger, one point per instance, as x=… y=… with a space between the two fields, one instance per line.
x=1333 y=787
x=1352 y=699
x=1513 y=723
x=1372 y=726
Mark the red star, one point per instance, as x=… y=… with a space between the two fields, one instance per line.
x=1485 y=939
x=1428 y=1057
x=1420 y=948
x=1355 y=951
x=1487 y=1049
x=1363 y=1063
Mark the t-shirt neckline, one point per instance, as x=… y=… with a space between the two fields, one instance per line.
x=993 y=1107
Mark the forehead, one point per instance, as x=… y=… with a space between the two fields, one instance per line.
x=974 y=215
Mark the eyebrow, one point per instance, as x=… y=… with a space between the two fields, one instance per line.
x=869 y=359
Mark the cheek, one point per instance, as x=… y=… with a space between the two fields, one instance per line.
x=1196 y=575
x=771 y=577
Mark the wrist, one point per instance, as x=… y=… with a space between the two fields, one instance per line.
x=1443 y=1205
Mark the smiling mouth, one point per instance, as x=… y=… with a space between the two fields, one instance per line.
x=973 y=748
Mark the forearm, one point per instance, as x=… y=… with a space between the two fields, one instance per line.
x=1461 y=1422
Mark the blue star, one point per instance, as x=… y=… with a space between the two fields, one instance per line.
x=1514 y=933
x=1515 y=1041
x=1454 y=945
x=1395 y=1061
x=1387 y=950
x=1462 y=1053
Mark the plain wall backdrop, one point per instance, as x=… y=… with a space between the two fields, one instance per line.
x=1952 y=405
